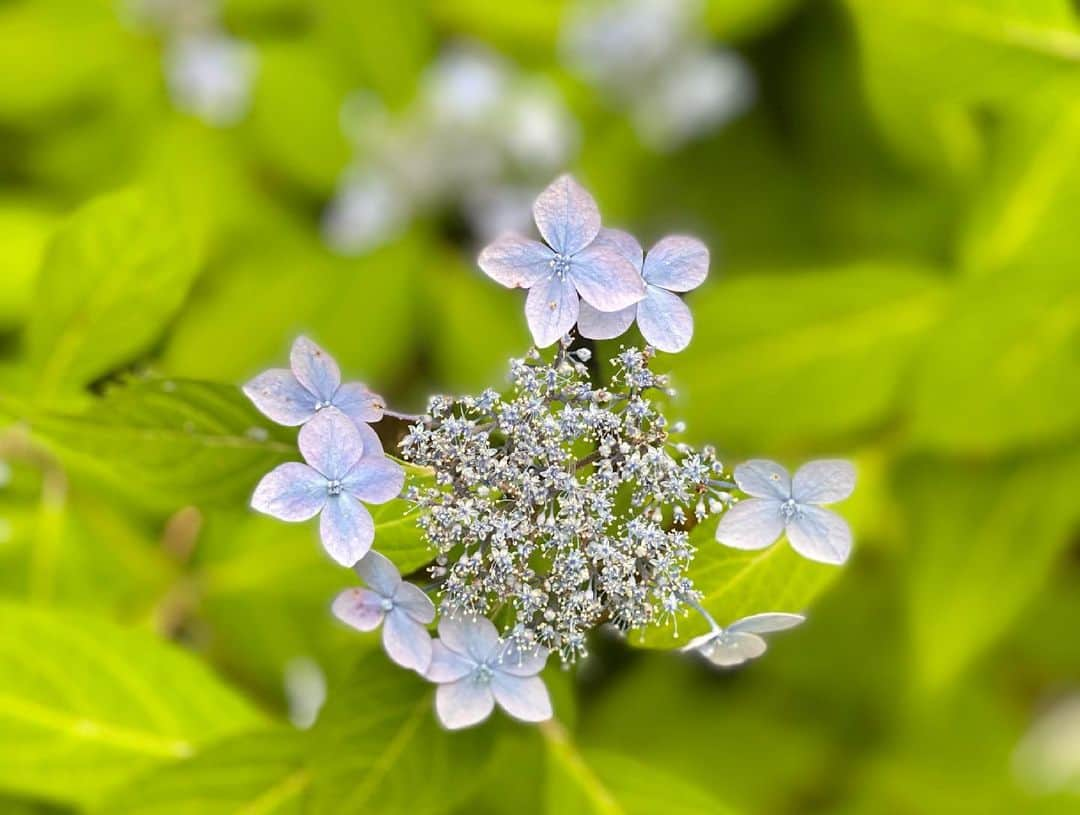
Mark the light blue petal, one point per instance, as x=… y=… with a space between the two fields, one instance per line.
x=624 y=243
x=751 y=524
x=523 y=697
x=665 y=320
x=447 y=665
x=463 y=703
x=372 y=445
x=763 y=479
x=378 y=574
x=375 y=480
x=346 y=529
x=516 y=262
x=290 y=492
x=516 y=661
x=821 y=535
x=280 y=396
x=605 y=278
x=414 y=602
x=316 y=369
x=551 y=310
x=733 y=649
x=359 y=403
x=331 y=443
x=604 y=325
x=360 y=608
x=677 y=263
x=406 y=641
x=567 y=216
x=766 y=623
x=823 y=482
x=475 y=637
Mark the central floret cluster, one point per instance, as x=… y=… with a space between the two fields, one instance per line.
x=561 y=505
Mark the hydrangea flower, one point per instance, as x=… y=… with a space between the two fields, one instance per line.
x=293 y=397
x=571 y=263
x=780 y=504
x=740 y=641
x=475 y=669
x=401 y=608
x=675 y=264
x=210 y=75
x=345 y=465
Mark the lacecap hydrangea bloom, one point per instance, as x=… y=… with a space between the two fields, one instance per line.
x=555 y=505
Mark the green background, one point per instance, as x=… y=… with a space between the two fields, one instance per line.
x=896 y=279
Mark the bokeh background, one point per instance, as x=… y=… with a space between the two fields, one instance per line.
x=891 y=190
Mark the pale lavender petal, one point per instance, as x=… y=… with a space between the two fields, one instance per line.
x=766 y=623
x=518 y=661
x=379 y=574
x=406 y=641
x=447 y=665
x=523 y=697
x=375 y=480
x=516 y=262
x=346 y=529
x=734 y=649
x=820 y=535
x=316 y=369
x=751 y=524
x=551 y=309
x=331 y=443
x=290 y=492
x=763 y=479
x=605 y=278
x=699 y=643
x=358 y=403
x=463 y=703
x=372 y=444
x=360 y=608
x=624 y=243
x=604 y=325
x=677 y=263
x=665 y=320
x=567 y=216
x=280 y=396
x=823 y=482
x=414 y=602
x=475 y=637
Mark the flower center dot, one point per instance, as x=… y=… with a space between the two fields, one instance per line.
x=321 y=405
x=789 y=509
x=560 y=265
x=333 y=487
x=483 y=674
x=387 y=604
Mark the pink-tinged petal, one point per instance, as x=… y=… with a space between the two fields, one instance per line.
x=290 y=492
x=767 y=623
x=447 y=665
x=379 y=574
x=331 y=443
x=316 y=369
x=522 y=662
x=677 y=263
x=751 y=524
x=567 y=216
x=463 y=703
x=360 y=608
x=358 y=403
x=665 y=320
x=414 y=602
x=475 y=637
x=606 y=279
x=604 y=325
x=551 y=309
x=375 y=480
x=762 y=478
x=346 y=529
x=624 y=243
x=823 y=482
x=516 y=262
x=406 y=641
x=280 y=396
x=523 y=697
x=734 y=649
x=821 y=535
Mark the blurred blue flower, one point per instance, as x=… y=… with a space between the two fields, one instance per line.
x=780 y=504
x=740 y=641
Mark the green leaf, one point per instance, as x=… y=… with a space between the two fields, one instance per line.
x=112 y=277
x=789 y=360
x=261 y=772
x=26 y=227
x=598 y=782
x=85 y=705
x=983 y=540
x=168 y=442
x=736 y=584
x=379 y=748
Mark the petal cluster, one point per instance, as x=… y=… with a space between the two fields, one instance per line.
x=780 y=504
x=741 y=641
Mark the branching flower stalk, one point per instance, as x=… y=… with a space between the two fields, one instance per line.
x=555 y=507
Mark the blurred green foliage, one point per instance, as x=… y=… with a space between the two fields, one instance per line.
x=896 y=278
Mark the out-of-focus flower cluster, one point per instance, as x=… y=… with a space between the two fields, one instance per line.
x=481 y=135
